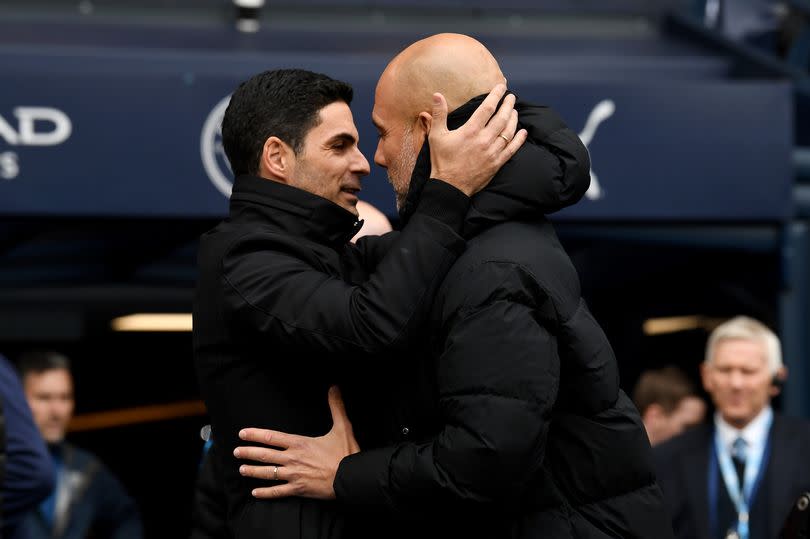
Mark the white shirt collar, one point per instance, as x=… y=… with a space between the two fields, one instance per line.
x=754 y=433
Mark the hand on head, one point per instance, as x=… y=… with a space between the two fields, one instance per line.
x=406 y=107
x=470 y=156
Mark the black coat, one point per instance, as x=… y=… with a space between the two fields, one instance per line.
x=519 y=428
x=276 y=323
x=209 y=505
x=683 y=465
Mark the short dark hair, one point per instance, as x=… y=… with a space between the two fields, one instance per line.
x=284 y=103
x=666 y=387
x=38 y=361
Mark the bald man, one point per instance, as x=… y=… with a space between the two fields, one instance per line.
x=508 y=418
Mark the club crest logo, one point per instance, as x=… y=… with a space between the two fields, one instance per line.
x=213 y=153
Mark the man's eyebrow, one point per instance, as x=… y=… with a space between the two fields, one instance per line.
x=345 y=137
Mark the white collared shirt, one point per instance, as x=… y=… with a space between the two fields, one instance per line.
x=754 y=433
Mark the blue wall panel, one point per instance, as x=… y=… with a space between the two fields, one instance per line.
x=689 y=150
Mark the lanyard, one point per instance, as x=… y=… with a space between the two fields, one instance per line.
x=741 y=498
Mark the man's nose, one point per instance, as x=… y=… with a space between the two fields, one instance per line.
x=361 y=165
x=379 y=158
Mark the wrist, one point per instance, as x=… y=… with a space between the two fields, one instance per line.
x=449 y=179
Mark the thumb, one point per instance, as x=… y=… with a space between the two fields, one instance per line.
x=439 y=113
x=339 y=417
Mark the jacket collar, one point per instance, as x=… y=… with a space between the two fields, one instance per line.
x=294 y=210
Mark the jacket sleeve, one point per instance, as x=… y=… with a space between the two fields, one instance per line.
x=29 y=472
x=304 y=306
x=498 y=377
x=369 y=251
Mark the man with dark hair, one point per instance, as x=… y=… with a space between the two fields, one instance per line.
x=87 y=499
x=668 y=403
x=26 y=471
x=284 y=103
x=278 y=317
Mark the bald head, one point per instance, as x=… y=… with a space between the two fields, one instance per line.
x=456 y=65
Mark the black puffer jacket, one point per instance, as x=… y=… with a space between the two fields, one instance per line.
x=518 y=427
x=276 y=323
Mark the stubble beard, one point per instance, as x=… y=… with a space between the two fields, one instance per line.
x=399 y=175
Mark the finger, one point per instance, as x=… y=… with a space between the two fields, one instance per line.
x=264 y=472
x=439 y=114
x=336 y=406
x=269 y=437
x=486 y=109
x=512 y=148
x=501 y=118
x=278 y=491
x=261 y=454
x=511 y=127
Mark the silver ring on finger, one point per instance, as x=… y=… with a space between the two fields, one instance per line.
x=275 y=473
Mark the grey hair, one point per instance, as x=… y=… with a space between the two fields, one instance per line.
x=743 y=327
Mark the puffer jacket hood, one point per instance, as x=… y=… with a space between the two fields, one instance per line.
x=550 y=172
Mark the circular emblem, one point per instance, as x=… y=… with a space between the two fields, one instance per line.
x=213 y=153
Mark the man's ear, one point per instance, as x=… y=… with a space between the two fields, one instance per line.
x=277 y=161
x=778 y=381
x=424 y=122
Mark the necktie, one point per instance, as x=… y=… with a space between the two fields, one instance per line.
x=738 y=454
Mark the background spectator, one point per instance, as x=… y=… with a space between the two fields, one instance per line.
x=668 y=402
x=88 y=499
x=742 y=473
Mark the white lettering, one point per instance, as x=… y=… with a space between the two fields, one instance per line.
x=29 y=136
x=8 y=133
x=9 y=167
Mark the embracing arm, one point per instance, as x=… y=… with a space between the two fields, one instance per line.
x=498 y=378
x=369 y=251
x=301 y=305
